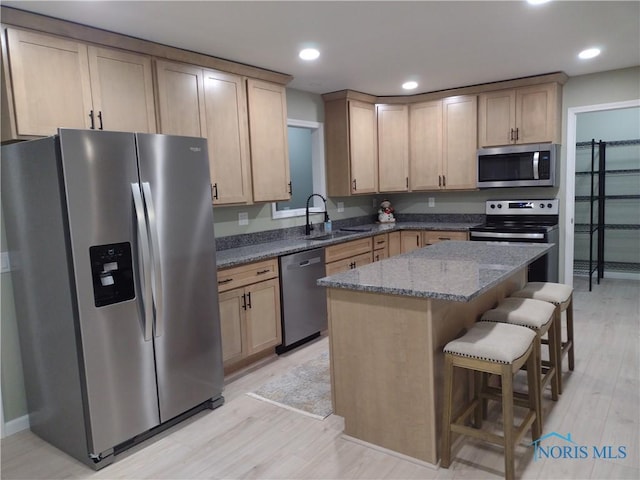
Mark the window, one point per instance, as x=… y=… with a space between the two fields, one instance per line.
x=306 y=158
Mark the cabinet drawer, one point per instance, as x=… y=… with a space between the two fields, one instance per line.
x=429 y=238
x=235 y=277
x=380 y=241
x=348 y=263
x=347 y=249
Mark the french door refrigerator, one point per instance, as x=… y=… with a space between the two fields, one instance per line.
x=112 y=254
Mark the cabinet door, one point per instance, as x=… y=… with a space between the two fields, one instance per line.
x=496 y=118
x=122 y=90
x=410 y=240
x=227 y=136
x=50 y=81
x=431 y=237
x=268 y=139
x=363 y=146
x=393 y=147
x=425 y=145
x=380 y=254
x=231 y=325
x=181 y=99
x=536 y=113
x=263 y=316
x=395 y=247
x=460 y=144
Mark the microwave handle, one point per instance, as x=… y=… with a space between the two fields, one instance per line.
x=536 y=164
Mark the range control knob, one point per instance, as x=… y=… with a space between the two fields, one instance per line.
x=499 y=205
x=542 y=205
x=493 y=205
x=548 y=205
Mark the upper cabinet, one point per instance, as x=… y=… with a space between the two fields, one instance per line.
x=197 y=102
x=59 y=83
x=443 y=144
x=268 y=138
x=350 y=147
x=520 y=115
x=393 y=147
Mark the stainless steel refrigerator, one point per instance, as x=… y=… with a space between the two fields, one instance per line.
x=113 y=263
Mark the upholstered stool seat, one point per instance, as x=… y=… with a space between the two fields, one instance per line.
x=499 y=349
x=539 y=317
x=561 y=296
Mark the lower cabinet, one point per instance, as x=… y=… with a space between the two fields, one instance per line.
x=380 y=247
x=410 y=240
x=348 y=255
x=250 y=319
x=435 y=236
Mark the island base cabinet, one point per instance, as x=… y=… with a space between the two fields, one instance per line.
x=387 y=363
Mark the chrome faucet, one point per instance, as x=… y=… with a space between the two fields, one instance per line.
x=308 y=227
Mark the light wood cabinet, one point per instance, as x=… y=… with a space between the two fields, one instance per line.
x=459 y=142
x=205 y=103
x=60 y=83
x=520 y=115
x=250 y=318
x=350 y=147
x=434 y=236
x=393 y=147
x=347 y=255
x=443 y=144
x=394 y=244
x=380 y=247
x=425 y=146
x=410 y=240
x=268 y=139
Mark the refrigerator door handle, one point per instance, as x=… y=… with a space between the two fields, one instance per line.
x=143 y=242
x=156 y=283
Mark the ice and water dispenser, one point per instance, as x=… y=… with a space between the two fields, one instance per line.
x=112 y=273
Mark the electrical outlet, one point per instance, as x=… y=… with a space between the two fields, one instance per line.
x=340 y=207
x=432 y=202
x=243 y=218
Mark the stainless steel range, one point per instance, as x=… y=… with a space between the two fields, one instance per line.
x=529 y=221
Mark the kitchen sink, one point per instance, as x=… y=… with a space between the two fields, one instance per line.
x=331 y=235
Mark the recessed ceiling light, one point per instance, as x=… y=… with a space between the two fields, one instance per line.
x=589 y=53
x=309 y=54
x=537 y=2
x=409 y=85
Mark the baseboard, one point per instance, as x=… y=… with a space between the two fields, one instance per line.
x=16 y=425
x=622 y=275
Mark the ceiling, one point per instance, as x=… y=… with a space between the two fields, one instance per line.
x=373 y=47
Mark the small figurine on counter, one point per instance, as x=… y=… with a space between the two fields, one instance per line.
x=385 y=212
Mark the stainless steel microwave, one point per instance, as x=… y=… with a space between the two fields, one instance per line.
x=534 y=165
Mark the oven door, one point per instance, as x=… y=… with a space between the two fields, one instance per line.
x=545 y=268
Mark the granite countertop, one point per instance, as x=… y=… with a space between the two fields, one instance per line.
x=262 y=251
x=452 y=270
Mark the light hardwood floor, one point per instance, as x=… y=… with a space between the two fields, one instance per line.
x=248 y=438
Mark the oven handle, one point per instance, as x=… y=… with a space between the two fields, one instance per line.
x=508 y=236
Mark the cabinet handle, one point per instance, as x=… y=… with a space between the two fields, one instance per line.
x=378 y=242
x=100 y=118
x=439 y=180
x=262 y=272
x=352 y=265
x=244 y=301
x=249 y=300
x=511 y=136
x=444 y=238
x=93 y=123
x=214 y=191
x=517 y=134
x=417 y=241
x=407 y=183
x=377 y=257
x=444 y=180
x=290 y=189
x=354 y=185
x=226 y=280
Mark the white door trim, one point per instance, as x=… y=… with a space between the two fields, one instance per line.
x=570 y=185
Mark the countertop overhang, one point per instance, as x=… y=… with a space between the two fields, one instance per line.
x=452 y=270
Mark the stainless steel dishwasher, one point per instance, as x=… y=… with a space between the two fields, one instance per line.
x=304 y=304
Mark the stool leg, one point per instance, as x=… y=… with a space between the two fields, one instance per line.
x=554 y=360
x=507 y=420
x=558 y=350
x=477 y=388
x=445 y=459
x=536 y=354
x=535 y=404
x=570 y=333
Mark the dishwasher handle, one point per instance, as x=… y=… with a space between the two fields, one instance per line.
x=305 y=263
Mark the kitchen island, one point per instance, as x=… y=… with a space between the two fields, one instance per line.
x=388 y=323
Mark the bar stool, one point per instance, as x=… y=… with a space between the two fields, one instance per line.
x=500 y=349
x=539 y=316
x=561 y=296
